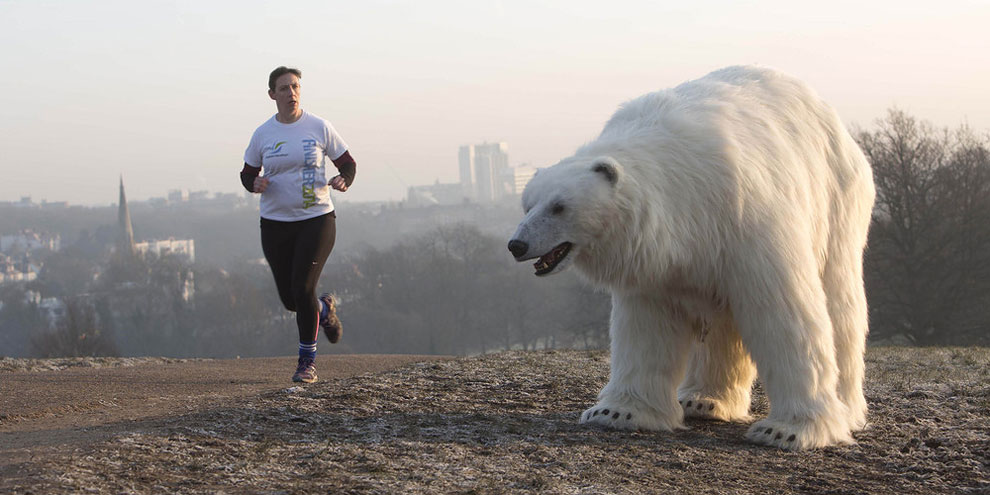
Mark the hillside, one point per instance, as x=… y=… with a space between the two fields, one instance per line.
x=506 y=423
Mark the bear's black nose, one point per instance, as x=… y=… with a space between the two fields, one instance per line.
x=518 y=248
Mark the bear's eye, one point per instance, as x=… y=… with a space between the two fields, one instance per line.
x=557 y=209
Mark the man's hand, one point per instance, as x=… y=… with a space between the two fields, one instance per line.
x=338 y=183
x=260 y=184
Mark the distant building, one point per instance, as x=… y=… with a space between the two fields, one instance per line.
x=227 y=198
x=17 y=270
x=436 y=194
x=515 y=179
x=481 y=168
x=125 y=232
x=28 y=240
x=178 y=196
x=51 y=308
x=465 y=165
x=25 y=202
x=179 y=247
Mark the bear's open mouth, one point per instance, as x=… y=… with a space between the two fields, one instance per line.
x=549 y=261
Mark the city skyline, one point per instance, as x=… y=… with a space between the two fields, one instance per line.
x=487 y=178
x=168 y=93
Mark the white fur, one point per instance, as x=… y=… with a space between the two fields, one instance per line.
x=728 y=214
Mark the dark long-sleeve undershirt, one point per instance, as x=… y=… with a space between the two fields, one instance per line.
x=248 y=174
x=345 y=165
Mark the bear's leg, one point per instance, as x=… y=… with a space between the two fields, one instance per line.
x=782 y=316
x=720 y=376
x=649 y=354
x=843 y=280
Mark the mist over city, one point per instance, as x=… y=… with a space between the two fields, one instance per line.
x=185 y=276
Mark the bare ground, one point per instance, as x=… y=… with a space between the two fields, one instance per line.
x=507 y=423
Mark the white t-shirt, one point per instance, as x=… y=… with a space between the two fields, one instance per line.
x=294 y=159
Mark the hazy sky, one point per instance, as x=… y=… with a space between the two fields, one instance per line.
x=167 y=93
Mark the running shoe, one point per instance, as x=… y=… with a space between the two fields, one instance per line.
x=305 y=372
x=328 y=319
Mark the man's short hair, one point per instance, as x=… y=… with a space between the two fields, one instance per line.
x=279 y=72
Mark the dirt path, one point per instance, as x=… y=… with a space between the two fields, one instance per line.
x=46 y=412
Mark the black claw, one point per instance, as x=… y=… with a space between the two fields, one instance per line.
x=769 y=431
x=615 y=416
x=689 y=404
x=628 y=416
x=605 y=412
x=790 y=438
x=711 y=407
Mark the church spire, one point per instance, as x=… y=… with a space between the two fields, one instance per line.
x=125 y=235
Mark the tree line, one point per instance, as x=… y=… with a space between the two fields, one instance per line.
x=451 y=290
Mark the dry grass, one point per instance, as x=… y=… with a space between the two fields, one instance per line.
x=507 y=423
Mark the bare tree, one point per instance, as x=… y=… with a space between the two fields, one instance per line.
x=19 y=320
x=928 y=261
x=77 y=333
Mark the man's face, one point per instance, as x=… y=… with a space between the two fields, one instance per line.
x=286 y=93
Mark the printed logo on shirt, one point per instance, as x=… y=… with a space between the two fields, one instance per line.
x=274 y=150
x=309 y=173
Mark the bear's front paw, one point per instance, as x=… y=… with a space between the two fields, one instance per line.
x=799 y=435
x=613 y=417
x=628 y=417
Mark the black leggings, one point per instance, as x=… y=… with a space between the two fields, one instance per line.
x=296 y=252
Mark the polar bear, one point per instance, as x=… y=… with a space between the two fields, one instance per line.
x=727 y=217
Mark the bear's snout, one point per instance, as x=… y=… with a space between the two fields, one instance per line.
x=518 y=248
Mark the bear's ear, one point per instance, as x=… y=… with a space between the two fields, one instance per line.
x=609 y=168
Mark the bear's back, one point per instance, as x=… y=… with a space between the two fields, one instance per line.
x=733 y=94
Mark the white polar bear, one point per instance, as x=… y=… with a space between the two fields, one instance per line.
x=728 y=218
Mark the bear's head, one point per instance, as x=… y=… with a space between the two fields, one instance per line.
x=568 y=209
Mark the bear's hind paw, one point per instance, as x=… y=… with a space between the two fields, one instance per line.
x=699 y=408
x=715 y=409
x=799 y=436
